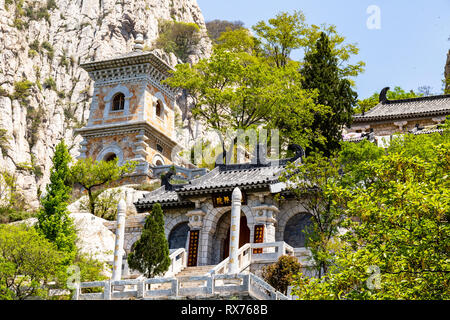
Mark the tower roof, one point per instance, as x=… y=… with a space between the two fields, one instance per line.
x=129 y=59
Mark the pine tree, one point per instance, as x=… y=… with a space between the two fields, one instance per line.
x=53 y=218
x=150 y=254
x=321 y=72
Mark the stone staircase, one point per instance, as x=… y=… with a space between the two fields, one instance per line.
x=187 y=273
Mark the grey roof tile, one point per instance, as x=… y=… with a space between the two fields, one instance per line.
x=398 y=109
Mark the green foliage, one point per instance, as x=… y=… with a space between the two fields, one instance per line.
x=54 y=222
x=150 y=254
x=93 y=175
x=49 y=48
x=105 y=202
x=12 y=201
x=287 y=32
x=217 y=27
x=4 y=141
x=321 y=72
x=281 y=35
x=50 y=83
x=178 y=37
x=398 y=239
x=280 y=274
x=352 y=155
x=28 y=262
x=313 y=183
x=22 y=91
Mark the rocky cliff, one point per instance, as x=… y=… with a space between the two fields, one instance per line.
x=44 y=94
x=447 y=73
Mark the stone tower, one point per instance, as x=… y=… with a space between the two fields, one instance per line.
x=132 y=115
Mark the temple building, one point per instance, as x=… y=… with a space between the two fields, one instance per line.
x=132 y=118
x=197 y=214
x=389 y=117
x=132 y=115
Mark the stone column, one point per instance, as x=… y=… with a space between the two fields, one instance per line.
x=265 y=214
x=234 y=230
x=120 y=235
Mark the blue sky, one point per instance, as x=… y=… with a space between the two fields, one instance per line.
x=409 y=50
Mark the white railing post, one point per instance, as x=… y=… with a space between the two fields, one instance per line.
x=236 y=198
x=120 y=233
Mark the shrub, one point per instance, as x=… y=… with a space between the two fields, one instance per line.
x=280 y=274
x=178 y=37
x=50 y=83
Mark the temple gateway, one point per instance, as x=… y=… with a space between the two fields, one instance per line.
x=197 y=214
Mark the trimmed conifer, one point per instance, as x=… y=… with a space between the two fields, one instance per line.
x=321 y=71
x=54 y=222
x=150 y=254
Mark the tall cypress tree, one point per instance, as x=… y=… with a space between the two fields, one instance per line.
x=150 y=254
x=321 y=71
x=53 y=218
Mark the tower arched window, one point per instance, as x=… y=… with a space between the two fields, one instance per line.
x=159 y=109
x=118 y=102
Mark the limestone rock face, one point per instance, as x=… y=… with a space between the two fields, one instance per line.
x=47 y=50
x=447 y=72
x=93 y=236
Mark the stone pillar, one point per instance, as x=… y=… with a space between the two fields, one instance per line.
x=265 y=214
x=236 y=199
x=120 y=235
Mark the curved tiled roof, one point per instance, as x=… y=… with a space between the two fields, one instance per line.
x=218 y=180
x=407 y=108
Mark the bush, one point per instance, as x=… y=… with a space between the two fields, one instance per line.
x=178 y=37
x=27 y=263
x=280 y=274
x=50 y=83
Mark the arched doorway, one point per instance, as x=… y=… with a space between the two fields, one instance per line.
x=244 y=237
x=294 y=232
x=178 y=236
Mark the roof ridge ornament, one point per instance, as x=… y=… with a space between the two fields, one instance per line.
x=383 y=95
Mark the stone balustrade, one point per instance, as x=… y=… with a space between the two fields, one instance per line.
x=213 y=285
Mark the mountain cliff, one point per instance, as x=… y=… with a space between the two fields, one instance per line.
x=44 y=94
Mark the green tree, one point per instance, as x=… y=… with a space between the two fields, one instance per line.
x=313 y=184
x=150 y=254
x=321 y=72
x=217 y=27
x=398 y=241
x=53 y=218
x=280 y=274
x=28 y=262
x=94 y=175
x=281 y=35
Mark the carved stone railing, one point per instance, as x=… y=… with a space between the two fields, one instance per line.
x=178 y=261
x=211 y=286
x=271 y=252
x=244 y=260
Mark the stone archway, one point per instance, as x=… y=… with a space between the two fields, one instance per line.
x=294 y=231
x=178 y=236
x=221 y=237
x=214 y=232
